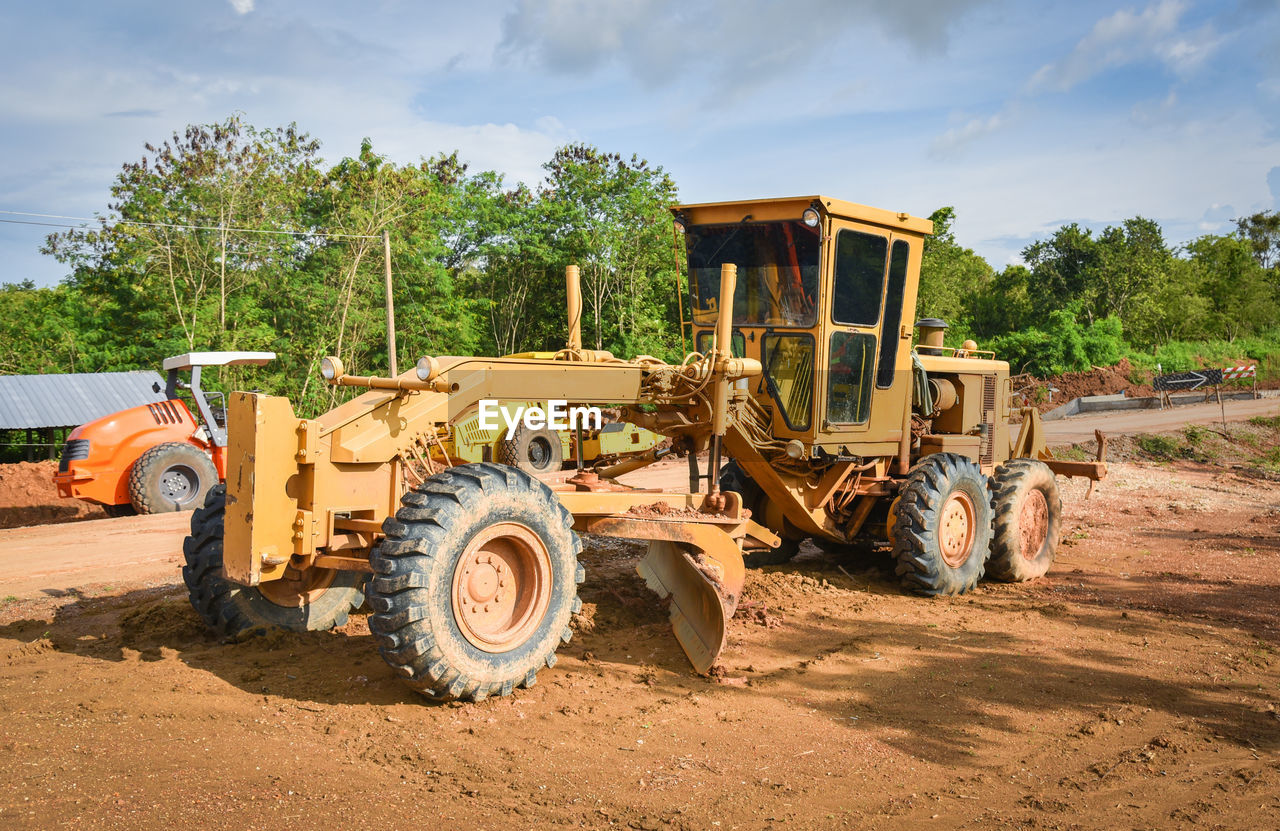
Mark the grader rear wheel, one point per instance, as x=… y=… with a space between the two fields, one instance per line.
x=1028 y=520
x=314 y=599
x=942 y=525
x=533 y=451
x=475 y=582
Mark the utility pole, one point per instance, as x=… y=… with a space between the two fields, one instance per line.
x=391 y=309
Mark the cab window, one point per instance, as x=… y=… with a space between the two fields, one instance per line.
x=788 y=368
x=849 y=380
x=737 y=344
x=859 y=283
x=892 y=314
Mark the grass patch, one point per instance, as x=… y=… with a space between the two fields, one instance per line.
x=1158 y=447
x=1268 y=422
x=1269 y=460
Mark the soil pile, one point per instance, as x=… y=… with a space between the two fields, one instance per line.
x=29 y=497
x=1108 y=380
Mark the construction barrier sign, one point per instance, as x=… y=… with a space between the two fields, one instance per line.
x=1186 y=381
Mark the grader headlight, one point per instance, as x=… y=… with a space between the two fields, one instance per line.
x=427 y=369
x=331 y=368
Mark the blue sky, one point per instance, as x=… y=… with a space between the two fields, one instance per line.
x=1022 y=115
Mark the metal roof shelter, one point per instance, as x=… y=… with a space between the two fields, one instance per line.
x=34 y=402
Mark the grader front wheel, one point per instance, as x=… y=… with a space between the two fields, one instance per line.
x=315 y=599
x=475 y=582
x=942 y=526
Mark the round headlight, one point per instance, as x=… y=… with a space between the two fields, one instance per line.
x=810 y=217
x=795 y=449
x=331 y=368
x=428 y=368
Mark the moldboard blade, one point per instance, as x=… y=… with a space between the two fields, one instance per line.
x=698 y=615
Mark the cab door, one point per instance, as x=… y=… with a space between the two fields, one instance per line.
x=865 y=350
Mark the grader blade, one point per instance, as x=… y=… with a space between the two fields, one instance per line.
x=699 y=613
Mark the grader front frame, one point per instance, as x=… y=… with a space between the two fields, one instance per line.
x=805 y=377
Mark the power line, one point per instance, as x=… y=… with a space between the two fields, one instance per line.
x=84 y=219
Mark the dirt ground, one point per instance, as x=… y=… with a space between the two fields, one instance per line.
x=1135 y=686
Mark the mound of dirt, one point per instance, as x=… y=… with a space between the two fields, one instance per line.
x=29 y=497
x=1108 y=380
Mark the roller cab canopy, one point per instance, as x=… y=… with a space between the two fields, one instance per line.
x=194 y=359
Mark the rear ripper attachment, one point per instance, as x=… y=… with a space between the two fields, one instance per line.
x=804 y=380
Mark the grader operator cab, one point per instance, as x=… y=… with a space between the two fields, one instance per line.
x=804 y=381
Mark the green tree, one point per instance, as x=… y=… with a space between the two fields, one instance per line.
x=189 y=238
x=1262 y=232
x=1063 y=270
x=1237 y=296
x=609 y=215
x=950 y=275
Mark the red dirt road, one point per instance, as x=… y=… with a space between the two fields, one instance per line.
x=60 y=559
x=1080 y=428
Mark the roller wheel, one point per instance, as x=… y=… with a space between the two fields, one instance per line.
x=315 y=599
x=533 y=451
x=475 y=582
x=942 y=525
x=1028 y=520
x=734 y=478
x=171 y=477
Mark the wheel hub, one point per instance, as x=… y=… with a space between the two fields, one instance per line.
x=501 y=587
x=539 y=453
x=178 y=483
x=956 y=529
x=1033 y=524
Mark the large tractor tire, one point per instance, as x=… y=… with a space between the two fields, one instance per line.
x=475 y=583
x=317 y=599
x=533 y=451
x=171 y=477
x=734 y=478
x=942 y=525
x=1028 y=520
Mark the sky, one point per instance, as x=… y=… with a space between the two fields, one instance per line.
x=1022 y=115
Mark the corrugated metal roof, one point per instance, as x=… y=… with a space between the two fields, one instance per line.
x=35 y=401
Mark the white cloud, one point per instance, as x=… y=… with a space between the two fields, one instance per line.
x=242 y=6
x=1128 y=37
x=975 y=128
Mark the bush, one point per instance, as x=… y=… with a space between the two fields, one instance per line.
x=1063 y=346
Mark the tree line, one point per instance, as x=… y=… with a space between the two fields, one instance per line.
x=1082 y=299
x=228 y=236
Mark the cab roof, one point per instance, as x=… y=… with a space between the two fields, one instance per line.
x=791 y=207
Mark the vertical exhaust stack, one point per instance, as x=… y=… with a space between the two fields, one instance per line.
x=573 y=283
x=720 y=396
x=932 y=331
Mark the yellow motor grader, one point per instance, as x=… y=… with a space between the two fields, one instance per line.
x=816 y=416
